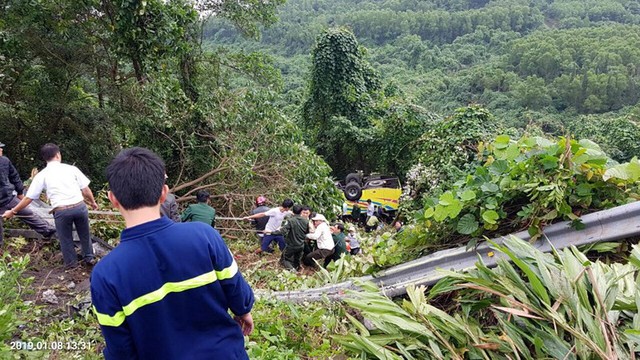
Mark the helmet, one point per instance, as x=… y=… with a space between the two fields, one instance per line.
x=261 y=200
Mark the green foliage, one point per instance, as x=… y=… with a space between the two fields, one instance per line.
x=146 y=32
x=216 y=144
x=553 y=57
x=98 y=76
x=587 y=69
x=342 y=83
x=557 y=305
x=52 y=83
x=447 y=149
x=13 y=283
x=617 y=135
x=628 y=172
x=530 y=182
x=246 y=16
x=342 y=88
x=399 y=126
x=287 y=331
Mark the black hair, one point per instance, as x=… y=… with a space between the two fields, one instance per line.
x=202 y=196
x=369 y=200
x=306 y=207
x=287 y=203
x=136 y=178
x=339 y=226
x=48 y=151
x=297 y=209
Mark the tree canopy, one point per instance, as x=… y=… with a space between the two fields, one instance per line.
x=549 y=58
x=96 y=76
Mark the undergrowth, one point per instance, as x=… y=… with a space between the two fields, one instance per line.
x=558 y=305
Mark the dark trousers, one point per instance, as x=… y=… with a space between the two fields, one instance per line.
x=28 y=217
x=291 y=257
x=268 y=239
x=317 y=254
x=308 y=247
x=65 y=220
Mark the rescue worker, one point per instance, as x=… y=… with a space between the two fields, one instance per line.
x=166 y=290
x=272 y=229
x=9 y=183
x=201 y=211
x=324 y=241
x=294 y=231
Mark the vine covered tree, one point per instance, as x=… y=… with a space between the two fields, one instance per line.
x=342 y=90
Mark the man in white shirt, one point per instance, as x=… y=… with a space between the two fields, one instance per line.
x=345 y=212
x=371 y=209
x=272 y=229
x=67 y=188
x=324 y=241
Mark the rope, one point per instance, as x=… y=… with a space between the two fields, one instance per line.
x=118 y=214
x=113 y=213
x=249 y=230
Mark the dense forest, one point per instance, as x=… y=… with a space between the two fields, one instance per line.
x=546 y=61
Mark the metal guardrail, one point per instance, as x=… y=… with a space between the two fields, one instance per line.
x=608 y=225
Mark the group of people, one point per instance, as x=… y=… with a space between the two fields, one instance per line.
x=67 y=189
x=302 y=236
x=166 y=290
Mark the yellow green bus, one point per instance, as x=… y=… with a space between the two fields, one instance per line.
x=384 y=192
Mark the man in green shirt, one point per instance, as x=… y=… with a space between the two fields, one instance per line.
x=337 y=233
x=294 y=230
x=201 y=211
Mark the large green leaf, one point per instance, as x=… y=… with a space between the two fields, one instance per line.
x=468 y=195
x=501 y=142
x=446 y=198
x=489 y=187
x=537 y=285
x=440 y=213
x=454 y=209
x=635 y=256
x=467 y=224
x=499 y=167
x=490 y=217
x=629 y=171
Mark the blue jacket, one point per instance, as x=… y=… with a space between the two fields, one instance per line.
x=164 y=293
x=9 y=181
